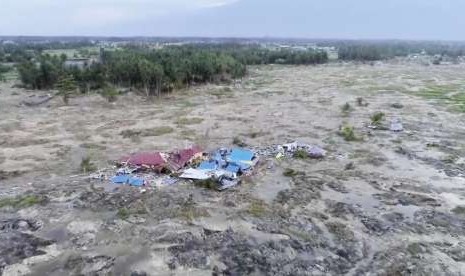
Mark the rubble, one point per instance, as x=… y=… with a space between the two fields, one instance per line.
x=396 y=125
x=223 y=166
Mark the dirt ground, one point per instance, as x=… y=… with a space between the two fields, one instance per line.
x=386 y=204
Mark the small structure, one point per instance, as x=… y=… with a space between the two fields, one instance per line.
x=80 y=63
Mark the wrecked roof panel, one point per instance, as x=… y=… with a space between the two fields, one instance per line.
x=154 y=159
x=179 y=160
x=208 y=165
x=238 y=155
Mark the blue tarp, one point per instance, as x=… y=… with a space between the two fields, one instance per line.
x=208 y=166
x=120 y=179
x=127 y=179
x=138 y=182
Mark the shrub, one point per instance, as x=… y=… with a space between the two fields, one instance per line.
x=348 y=133
x=87 y=165
x=346 y=108
x=300 y=154
x=110 y=94
x=377 y=118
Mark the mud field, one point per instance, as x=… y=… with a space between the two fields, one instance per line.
x=385 y=204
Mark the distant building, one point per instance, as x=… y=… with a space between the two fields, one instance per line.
x=80 y=63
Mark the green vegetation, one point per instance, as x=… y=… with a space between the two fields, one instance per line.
x=459 y=210
x=189 y=211
x=189 y=121
x=348 y=133
x=3 y=70
x=21 y=202
x=257 y=208
x=110 y=93
x=377 y=119
x=378 y=50
x=210 y=184
x=153 y=71
x=123 y=213
x=453 y=95
x=346 y=108
x=66 y=87
x=87 y=165
x=301 y=154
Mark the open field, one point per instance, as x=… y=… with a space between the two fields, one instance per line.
x=70 y=53
x=386 y=204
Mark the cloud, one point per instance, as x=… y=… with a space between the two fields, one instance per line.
x=86 y=16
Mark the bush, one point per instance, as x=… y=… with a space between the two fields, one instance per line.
x=346 y=108
x=110 y=94
x=23 y=201
x=348 y=133
x=377 y=118
x=300 y=154
x=87 y=165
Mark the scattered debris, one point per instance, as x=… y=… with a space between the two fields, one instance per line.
x=224 y=166
x=300 y=150
x=396 y=125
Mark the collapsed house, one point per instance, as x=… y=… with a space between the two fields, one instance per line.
x=224 y=166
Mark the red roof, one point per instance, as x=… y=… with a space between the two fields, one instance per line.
x=179 y=160
x=153 y=159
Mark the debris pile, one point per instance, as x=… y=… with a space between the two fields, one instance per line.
x=289 y=150
x=224 y=166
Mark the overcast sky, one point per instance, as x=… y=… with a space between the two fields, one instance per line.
x=366 y=19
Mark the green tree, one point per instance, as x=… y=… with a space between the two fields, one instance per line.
x=66 y=86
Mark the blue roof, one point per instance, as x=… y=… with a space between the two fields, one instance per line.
x=238 y=155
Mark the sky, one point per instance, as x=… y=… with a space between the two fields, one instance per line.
x=345 y=19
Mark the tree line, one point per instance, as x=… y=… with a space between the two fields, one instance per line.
x=379 y=50
x=157 y=70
